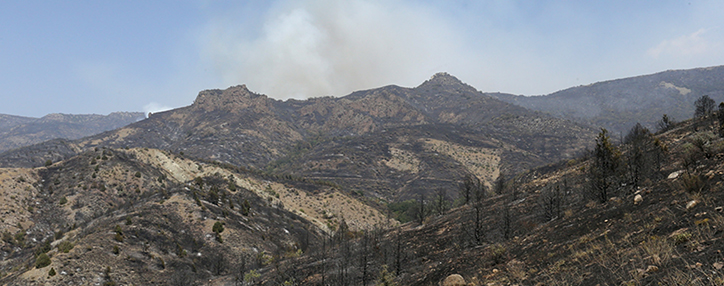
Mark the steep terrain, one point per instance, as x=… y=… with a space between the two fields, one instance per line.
x=17 y=131
x=390 y=143
x=619 y=104
x=549 y=227
x=145 y=216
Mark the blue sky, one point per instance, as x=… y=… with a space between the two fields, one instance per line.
x=105 y=56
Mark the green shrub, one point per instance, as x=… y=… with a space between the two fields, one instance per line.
x=63 y=200
x=118 y=237
x=65 y=246
x=138 y=174
x=43 y=260
x=118 y=229
x=245 y=207
x=48 y=162
x=59 y=234
x=681 y=238
x=43 y=248
x=128 y=220
x=218 y=227
x=51 y=272
x=116 y=250
x=498 y=253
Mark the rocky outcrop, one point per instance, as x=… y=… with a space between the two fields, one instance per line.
x=453 y=280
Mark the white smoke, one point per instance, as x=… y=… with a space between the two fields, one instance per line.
x=321 y=48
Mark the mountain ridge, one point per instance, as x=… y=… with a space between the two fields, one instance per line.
x=376 y=131
x=18 y=131
x=619 y=104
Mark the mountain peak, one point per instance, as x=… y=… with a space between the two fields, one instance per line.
x=232 y=98
x=443 y=78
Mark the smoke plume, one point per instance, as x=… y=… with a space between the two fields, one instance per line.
x=330 y=48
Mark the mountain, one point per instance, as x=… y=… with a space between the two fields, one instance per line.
x=17 y=131
x=549 y=227
x=619 y=104
x=390 y=143
x=240 y=189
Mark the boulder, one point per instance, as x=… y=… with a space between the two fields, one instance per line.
x=652 y=269
x=453 y=280
x=691 y=204
x=638 y=199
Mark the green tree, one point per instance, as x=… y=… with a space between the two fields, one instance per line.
x=43 y=260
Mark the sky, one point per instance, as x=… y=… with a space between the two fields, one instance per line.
x=98 y=57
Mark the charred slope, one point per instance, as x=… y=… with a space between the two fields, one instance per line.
x=548 y=228
x=619 y=104
x=108 y=216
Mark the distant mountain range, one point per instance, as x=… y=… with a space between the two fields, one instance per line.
x=18 y=131
x=619 y=104
x=390 y=142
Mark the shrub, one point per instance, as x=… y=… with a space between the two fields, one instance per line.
x=65 y=246
x=118 y=237
x=118 y=229
x=138 y=174
x=692 y=183
x=218 y=227
x=43 y=248
x=63 y=200
x=48 y=162
x=116 y=250
x=51 y=272
x=497 y=253
x=245 y=207
x=43 y=260
x=681 y=238
x=59 y=234
x=128 y=220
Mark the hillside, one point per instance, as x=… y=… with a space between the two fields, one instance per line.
x=548 y=227
x=145 y=216
x=240 y=189
x=619 y=104
x=389 y=143
x=17 y=131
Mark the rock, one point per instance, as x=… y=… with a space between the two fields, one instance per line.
x=453 y=280
x=638 y=199
x=675 y=175
x=719 y=209
x=652 y=269
x=691 y=204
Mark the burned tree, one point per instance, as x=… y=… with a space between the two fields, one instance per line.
x=603 y=172
x=441 y=201
x=478 y=216
x=468 y=186
x=703 y=107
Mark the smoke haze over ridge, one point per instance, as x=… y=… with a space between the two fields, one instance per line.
x=330 y=48
x=155 y=55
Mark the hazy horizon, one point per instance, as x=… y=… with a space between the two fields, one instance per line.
x=92 y=57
